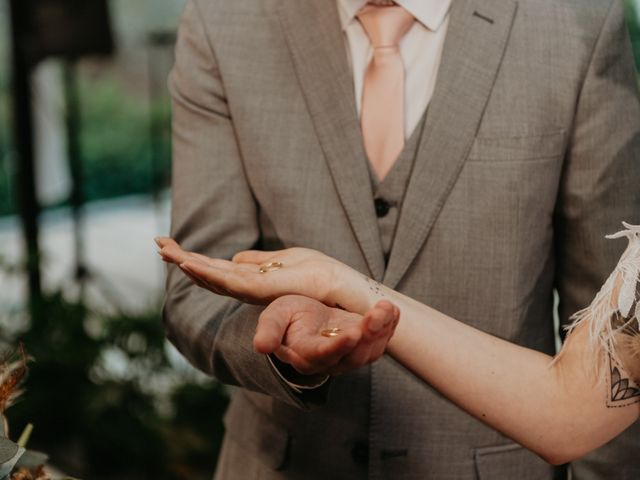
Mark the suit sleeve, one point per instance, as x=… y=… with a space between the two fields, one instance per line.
x=601 y=180
x=600 y=188
x=214 y=213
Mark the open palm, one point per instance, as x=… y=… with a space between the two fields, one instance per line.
x=291 y=327
x=306 y=272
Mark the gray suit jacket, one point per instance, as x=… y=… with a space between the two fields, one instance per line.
x=531 y=154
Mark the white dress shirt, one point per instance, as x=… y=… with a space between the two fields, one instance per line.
x=421 y=50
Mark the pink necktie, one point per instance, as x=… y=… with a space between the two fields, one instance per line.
x=382 y=113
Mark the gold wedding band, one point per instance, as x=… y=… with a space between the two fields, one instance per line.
x=330 y=332
x=270 y=267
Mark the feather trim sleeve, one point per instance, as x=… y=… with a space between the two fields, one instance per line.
x=613 y=318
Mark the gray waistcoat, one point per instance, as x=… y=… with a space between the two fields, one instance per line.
x=389 y=193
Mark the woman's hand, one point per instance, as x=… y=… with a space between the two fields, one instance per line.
x=303 y=272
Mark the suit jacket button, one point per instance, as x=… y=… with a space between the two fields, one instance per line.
x=382 y=207
x=360 y=452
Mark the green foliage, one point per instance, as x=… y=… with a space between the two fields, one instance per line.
x=120 y=154
x=633 y=22
x=7 y=195
x=116 y=140
x=6 y=171
x=98 y=425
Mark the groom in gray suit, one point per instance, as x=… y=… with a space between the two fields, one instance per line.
x=521 y=150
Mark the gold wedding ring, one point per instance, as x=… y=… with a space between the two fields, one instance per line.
x=270 y=267
x=330 y=332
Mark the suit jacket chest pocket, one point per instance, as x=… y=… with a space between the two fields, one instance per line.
x=513 y=178
x=518 y=147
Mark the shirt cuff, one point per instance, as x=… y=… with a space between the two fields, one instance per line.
x=295 y=380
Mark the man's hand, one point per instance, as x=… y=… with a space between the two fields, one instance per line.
x=291 y=326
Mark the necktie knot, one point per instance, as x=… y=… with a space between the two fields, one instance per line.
x=385 y=25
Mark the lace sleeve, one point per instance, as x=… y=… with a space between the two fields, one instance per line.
x=613 y=320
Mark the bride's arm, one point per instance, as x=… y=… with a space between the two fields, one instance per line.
x=560 y=411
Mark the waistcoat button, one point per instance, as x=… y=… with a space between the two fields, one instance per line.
x=382 y=207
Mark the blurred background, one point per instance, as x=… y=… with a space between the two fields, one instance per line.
x=84 y=189
x=108 y=396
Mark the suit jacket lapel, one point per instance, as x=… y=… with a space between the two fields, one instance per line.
x=315 y=39
x=475 y=42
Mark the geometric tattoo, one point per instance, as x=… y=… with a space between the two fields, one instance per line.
x=623 y=366
x=622 y=390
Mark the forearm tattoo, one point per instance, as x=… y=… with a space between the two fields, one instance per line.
x=622 y=390
x=624 y=367
x=374 y=287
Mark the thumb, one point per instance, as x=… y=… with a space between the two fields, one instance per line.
x=272 y=326
x=383 y=315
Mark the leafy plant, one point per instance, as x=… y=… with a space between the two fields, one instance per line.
x=116 y=140
x=120 y=154
x=99 y=424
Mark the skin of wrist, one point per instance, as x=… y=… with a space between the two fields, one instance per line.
x=348 y=290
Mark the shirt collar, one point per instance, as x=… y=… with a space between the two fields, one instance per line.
x=431 y=13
